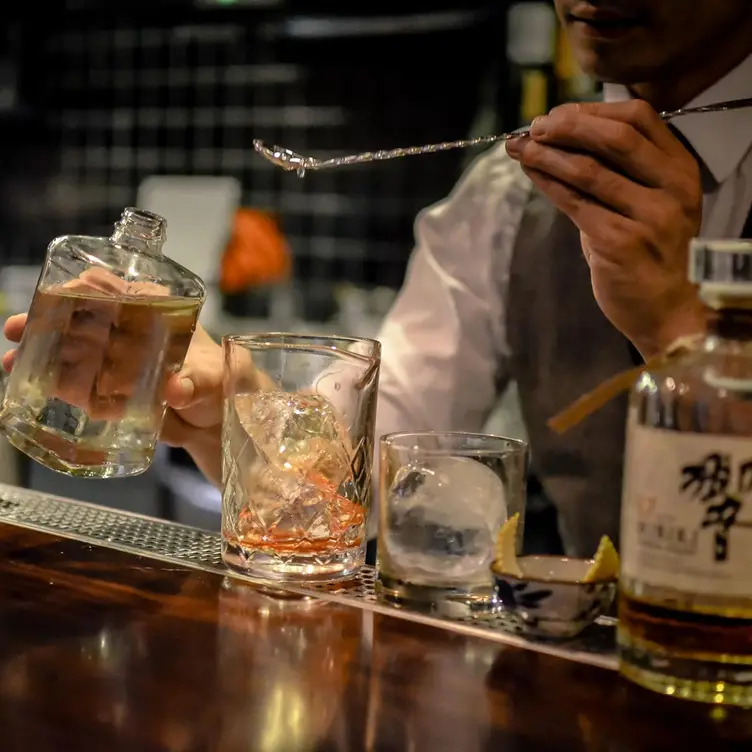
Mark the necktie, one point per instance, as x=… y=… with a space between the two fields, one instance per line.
x=747 y=231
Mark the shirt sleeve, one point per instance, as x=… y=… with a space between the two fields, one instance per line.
x=444 y=349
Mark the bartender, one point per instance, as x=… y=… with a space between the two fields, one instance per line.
x=558 y=260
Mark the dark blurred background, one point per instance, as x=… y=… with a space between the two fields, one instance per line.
x=96 y=96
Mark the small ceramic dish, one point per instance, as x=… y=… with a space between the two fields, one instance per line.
x=550 y=599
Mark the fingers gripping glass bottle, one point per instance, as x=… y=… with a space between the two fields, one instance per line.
x=110 y=323
x=685 y=612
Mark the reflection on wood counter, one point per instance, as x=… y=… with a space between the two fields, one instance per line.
x=103 y=650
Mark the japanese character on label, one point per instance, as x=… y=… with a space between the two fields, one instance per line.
x=719 y=485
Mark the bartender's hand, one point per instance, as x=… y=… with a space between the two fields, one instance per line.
x=194 y=395
x=634 y=192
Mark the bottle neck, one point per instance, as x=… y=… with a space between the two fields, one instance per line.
x=731 y=324
x=140 y=231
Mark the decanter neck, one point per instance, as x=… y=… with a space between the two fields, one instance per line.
x=140 y=230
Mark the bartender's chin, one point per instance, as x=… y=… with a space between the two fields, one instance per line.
x=612 y=69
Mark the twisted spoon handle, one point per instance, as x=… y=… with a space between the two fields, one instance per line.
x=410 y=151
x=290 y=160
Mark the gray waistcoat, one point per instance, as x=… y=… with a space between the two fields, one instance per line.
x=561 y=347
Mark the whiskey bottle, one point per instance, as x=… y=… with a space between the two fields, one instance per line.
x=685 y=606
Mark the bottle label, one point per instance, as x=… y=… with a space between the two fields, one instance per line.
x=687 y=511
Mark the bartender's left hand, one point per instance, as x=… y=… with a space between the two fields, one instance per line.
x=634 y=192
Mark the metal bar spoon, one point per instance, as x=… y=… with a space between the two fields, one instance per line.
x=290 y=160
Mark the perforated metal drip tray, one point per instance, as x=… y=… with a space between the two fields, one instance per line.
x=198 y=549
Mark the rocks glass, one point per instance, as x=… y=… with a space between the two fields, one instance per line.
x=443 y=498
x=297 y=448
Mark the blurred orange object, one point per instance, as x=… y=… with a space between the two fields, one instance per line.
x=257 y=253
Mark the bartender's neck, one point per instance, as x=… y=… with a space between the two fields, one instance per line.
x=677 y=89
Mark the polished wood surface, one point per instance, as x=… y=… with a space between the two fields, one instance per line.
x=105 y=651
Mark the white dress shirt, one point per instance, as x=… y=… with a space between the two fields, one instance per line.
x=444 y=344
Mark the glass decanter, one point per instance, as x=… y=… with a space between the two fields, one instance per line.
x=109 y=324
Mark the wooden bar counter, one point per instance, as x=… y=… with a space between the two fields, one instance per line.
x=105 y=650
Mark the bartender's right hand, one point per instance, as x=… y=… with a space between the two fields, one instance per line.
x=194 y=396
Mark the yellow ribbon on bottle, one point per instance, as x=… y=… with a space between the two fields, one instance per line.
x=607 y=390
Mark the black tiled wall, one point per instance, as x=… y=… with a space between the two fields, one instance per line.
x=125 y=98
